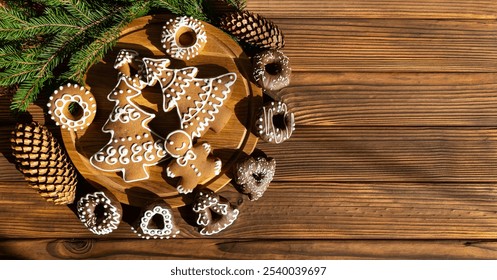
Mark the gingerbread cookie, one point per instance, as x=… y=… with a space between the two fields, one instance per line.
x=99 y=212
x=133 y=146
x=272 y=70
x=156 y=221
x=193 y=163
x=204 y=108
x=200 y=103
x=215 y=213
x=274 y=123
x=173 y=82
x=184 y=37
x=130 y=66
x=72 y=94
x=254 y=175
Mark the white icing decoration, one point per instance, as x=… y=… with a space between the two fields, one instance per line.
x=119 y=160
x=124 y=114
x=166 y=231
x=170 y=35
x=59 y=104
x=267 y=129
x=89 y=219
x=209 y=201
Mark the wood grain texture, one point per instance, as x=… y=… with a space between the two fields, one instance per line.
x=394 y=155
x=438 y=9
x=296 y=210
x=385 y=154
x=393 y=99
x=243 y=249
x=390 y=45
x=369 y=154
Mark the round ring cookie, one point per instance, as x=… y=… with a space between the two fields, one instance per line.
x=100 y=213
x=272 y=69
x=184 y=37
x=62 y=98
x=274 y=123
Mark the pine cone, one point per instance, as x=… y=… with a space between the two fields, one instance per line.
x=43 y=163
x=253 y=29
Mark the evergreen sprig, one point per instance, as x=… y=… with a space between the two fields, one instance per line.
x=43 y=42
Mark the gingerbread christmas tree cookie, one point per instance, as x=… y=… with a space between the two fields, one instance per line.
x=173 y=82
x=133 y=146
x=199 y=102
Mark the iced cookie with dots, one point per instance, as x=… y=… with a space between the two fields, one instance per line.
x=275 y=124
x=100 y=212
x=133 y=146
x=184 y=37
x=215 y=213
x=83 y=110
x=129 y=65
x=156 y=221
x=200 y=103
x=193 y=163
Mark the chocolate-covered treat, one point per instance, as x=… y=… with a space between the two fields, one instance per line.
x=272 y=70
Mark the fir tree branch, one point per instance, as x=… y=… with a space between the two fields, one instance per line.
x=37 y=37
x=54 y=54
x=238 y=4
x=191 y=8
x=86 y=57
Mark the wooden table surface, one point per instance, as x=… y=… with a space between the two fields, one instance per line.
x=394 y=153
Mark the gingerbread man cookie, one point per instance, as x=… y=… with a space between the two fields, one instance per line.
x=193 y=163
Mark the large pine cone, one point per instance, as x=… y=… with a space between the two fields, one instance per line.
x=253 y=29
x=43 y=163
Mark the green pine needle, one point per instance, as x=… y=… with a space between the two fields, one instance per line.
x=94 y=52
x=238 y=4
x=44 y=41
x=192 y=8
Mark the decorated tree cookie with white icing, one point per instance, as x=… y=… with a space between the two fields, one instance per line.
x=173 y=82
x=193 y=163
x=200 y=103
x=204 y=107
x=133 y=146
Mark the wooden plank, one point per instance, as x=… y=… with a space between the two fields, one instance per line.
x=393 y=99
x=437 y=9
x=368 y=154
x=390 y=154
x=295 y=210
x=390 y=45
x=384 y=99
x=242 y=249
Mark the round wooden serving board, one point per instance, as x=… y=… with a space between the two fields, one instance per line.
x=220 y=55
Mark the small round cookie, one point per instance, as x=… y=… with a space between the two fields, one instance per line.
x=184 y=37
x=274 y=123
x=75 y=95
x=272 y=70
x=99 y=212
